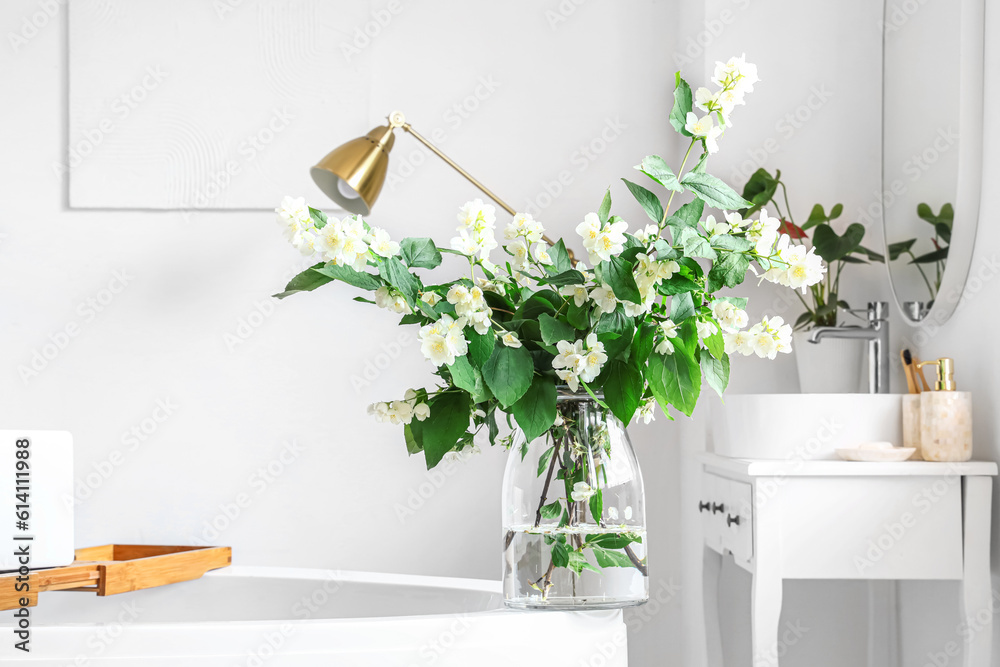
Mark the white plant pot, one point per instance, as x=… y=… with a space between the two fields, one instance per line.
x=833 y=366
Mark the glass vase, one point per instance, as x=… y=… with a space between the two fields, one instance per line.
x=574 y=519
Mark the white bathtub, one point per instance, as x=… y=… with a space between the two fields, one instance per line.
x=262 y=616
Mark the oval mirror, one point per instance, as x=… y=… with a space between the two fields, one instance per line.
x=932 y=124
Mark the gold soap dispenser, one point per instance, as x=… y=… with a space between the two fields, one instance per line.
x=945 y=416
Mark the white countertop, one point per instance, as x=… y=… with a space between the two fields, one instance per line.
x=838 y=468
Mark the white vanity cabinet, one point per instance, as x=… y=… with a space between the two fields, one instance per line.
x=845 y=520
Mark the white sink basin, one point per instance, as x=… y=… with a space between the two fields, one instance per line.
x=802 y=426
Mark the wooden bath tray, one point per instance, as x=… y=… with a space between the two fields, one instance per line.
x=115 y=568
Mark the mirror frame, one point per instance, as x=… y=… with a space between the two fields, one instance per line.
x=972 y=65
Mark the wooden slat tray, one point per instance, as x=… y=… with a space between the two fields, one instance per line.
x=116 y=568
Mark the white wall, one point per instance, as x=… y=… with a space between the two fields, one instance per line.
x=198 y=281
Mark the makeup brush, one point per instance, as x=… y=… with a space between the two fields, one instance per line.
x=918 y=372
x=911 y=381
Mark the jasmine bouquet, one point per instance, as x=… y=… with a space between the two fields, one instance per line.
x=640 y=321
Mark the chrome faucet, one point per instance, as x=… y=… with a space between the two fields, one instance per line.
x=877 y=335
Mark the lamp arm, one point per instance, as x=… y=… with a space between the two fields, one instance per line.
x=472 y=179
x=396 y=119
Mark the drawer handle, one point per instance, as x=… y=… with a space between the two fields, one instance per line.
x=717 y=508
x=703 y=506
x=730 y=520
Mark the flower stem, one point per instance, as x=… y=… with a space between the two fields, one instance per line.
x=548 y=480
x=670 y=200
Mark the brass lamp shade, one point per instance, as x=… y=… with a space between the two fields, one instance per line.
x=352 y=175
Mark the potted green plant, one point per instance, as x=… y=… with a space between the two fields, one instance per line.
x=837 y=367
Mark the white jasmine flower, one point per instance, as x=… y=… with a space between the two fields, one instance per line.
x=381 y=244
x=582 y=492
x=475 y=213
x=605 y=298
x=715 y=228
x=542 y=254
x=518 y=250
x=430 y=298
x=570 y=377
x=476 y=229
x=524 y=225
x=739 y=341
x=648 y=234
x=668 y=328
x=293 y=211
x=421 y=411
x=765 y=340
x=734 y=219
x=704 y=128
x=601 y=242
x=569 y=354
x=728 y=315
x=578 y=292
x=442 y=341
x=736 y=74
x=510 y=339
x=705 y=99
x=646 y=414
x=764 y=233
x=391 y=300
x=706 y=329
x=665 y=347
x=480 y=321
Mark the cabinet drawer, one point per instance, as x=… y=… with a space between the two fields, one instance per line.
x=726 y=508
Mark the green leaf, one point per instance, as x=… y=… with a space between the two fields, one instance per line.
x=597 y=505
x=579 y=316
x=508 y=373
x=397 y=275
x=535 y=412
x=713 y=191
x=675 y=379
x=623 y=385
x=832 y=247
x=729 y=271
x=448 y=422
x=480 y=346
x=695 y=245
x=607 y=558
x=571 y=277
x=412 y=446
x=578 y=563
x=351 y=277
x=731 y=243
x=613 y=540
x=642 y=345
x=551 y=511
x=657 y=169
x=615 y=322
x=759 y=190
x=318 y=217
x=681 y=307
x=716 y=371
x=691 y=212
x=560 y=257
x=931 y=257
x=945 y=217
x=677 y=284
x=554 y=330
x=650 y=203
x=560 y=555
x=306 y=281
x=898 y=248
x=543 y=462
x=618 y=275
x=871 y=254
x=682 y=105
x=466 y=376
x=420 y=253
x=605 y=210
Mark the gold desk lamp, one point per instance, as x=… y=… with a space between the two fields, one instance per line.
x=352 y=174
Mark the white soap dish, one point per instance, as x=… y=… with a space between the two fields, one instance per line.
x=876 y=452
